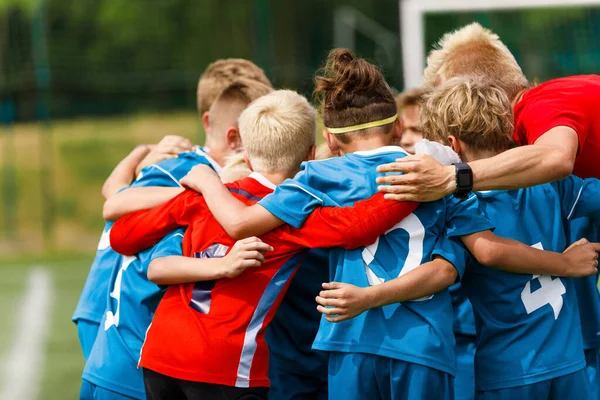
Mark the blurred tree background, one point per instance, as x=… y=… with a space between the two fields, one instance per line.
x=82 y=82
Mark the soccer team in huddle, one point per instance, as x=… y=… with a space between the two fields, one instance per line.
x=258 y=266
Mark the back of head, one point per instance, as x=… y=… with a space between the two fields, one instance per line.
x=235 y=168
x=352 y=91
x=474 y=50
x=220 y=74
x=409 y=98
x=472 y=109
x=278 y=130
x=232 y=100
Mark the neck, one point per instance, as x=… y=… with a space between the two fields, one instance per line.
x=366 y=144
x=217 y=152
x=518 y=98
x=277 y=178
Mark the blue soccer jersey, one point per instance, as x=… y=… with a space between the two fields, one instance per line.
x=92 y=301
x=130 y=305
x=420 y=331
x=528 y=327
x=587 y=288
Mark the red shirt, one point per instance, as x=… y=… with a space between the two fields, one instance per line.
x=574 y=102
x=213 y=331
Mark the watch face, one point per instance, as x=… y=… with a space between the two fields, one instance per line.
x=464 y=179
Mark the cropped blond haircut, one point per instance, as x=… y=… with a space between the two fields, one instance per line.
x=474 y=50
x=472 y=109
x=278 y=131
x=220 y=74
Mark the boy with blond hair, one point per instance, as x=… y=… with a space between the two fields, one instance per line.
x=528 y=332
x=207 y=337
x=124 y=298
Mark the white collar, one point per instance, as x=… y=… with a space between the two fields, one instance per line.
x=260 y=178
x=384 y=149
x=204 y=152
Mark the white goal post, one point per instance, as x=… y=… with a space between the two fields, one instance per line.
x=412 y=32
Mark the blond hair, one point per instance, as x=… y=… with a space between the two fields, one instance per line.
x=220 y=74
x=473 y=110
x=278 y=131
x=235 y=168
x=474 y=50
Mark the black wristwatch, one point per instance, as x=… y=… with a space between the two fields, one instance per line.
x=464 y=180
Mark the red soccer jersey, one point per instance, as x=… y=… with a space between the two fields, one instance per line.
x=572 y=102
x=213 y=331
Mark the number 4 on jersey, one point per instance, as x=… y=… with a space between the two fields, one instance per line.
x=550 y=292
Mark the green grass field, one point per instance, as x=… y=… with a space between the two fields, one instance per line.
x=61 y=363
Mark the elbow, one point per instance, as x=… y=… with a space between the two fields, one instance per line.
x=488 y=255
x=450 y=274
x=109 y=212
x=562 y=163
x=155 y=274
x=236 y=230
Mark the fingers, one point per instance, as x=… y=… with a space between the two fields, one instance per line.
x=249 y=263
x=253 y=255
x=405 y=165
x=329 y=311
x=401 y=197
x=338 y=318
x=595 y=246
x=332 y=285
x=331 y=294
x=330 y=302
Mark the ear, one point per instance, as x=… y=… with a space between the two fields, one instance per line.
x=455 y=144
x=311 y=153
x=206 y=121
x=248 y=163
x=233 y=138
x=331 y=142
x=397 y=129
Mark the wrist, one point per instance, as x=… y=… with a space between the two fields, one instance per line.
x=450 y=180
x=371 y=297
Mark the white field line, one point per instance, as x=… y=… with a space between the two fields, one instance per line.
x=24 y=362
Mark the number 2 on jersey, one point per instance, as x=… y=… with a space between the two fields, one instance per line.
x=416 y=235
x=550 y=292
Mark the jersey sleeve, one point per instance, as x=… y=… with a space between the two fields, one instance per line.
x=169 y=172
x=550 y=111
x=348 y=227
x=143 y=229
x=170 y=245
x=452 y=249
x=464 y=217
x=294 y=199
x=578 y=197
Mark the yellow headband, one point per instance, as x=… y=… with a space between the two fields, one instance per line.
x=366 y=125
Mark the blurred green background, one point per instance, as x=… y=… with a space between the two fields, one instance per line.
x=82 y=82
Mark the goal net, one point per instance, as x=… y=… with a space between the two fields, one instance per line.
x=549 y=38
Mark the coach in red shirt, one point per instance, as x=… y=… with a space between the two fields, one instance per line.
x=559 y=118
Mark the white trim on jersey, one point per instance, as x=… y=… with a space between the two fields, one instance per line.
x=260 y=178
x=384 y=149
x=168 y=174
x=306 y=191
x=575 y=203
x=204 y=152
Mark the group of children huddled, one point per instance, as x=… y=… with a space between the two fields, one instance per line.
x=262 y=267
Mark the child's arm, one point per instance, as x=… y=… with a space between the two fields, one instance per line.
x=512 y=256
x=142 y=229
x=171 y=270
x=169 y=147
x=348 y=301
x=137 y=198
x=124 y=172
x=238 y=219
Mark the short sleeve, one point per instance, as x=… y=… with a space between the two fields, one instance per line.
x=452 y=249
x=170 y=245
x=168 y=173
x=549 y=110
x=578 y=197
x=294 y=200
x=464 y=217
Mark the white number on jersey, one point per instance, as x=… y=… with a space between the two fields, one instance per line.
x=550 y=292
x=112 y=319
x=416 y=234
